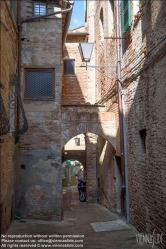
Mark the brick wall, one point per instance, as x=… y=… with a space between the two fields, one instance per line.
x=100 y=25
x=8 y=149
x=39 y=167
x=76 y=89
x=143 y=76
x=106 y=175
x=143 y=80
x=91 y=168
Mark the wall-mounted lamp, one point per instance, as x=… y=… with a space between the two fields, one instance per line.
x=77 y=141
x=85 y=50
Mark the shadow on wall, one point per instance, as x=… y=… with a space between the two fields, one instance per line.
x=145 y=102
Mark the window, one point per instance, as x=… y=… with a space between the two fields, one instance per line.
x=13 y=5
x=126 y=15
x=68 y=67
x=39 y=9
x=39 y=83
x=102 y=18
x=143 y=140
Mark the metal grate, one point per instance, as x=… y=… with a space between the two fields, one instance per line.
x=39 y=84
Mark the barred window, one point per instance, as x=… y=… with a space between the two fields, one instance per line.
x=39 y=9
x=39 y=84
x=68 y=67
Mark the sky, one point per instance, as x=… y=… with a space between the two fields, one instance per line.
x=77 y=18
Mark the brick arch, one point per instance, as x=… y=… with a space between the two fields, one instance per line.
x=83 y=119
x=83 y=127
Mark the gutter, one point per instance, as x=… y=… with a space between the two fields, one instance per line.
x=124 y=168
x=47 y=15
x=67 y=23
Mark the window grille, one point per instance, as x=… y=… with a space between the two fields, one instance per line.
x=39 y=9
x=39 y=84
x=126 y=15
x=69 y=67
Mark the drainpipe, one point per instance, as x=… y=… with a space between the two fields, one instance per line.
x=19 y=41
x=124 y=168
x=125 y=162
x=67 y=23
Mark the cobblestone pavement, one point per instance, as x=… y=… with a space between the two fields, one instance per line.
x=77 y=221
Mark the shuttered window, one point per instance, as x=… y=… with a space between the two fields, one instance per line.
x=126 y=15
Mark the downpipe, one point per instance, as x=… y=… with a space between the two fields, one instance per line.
x=125 y=161
x=124 y=169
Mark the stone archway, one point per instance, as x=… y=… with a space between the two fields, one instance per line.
x=84 y=119
x=89 y=119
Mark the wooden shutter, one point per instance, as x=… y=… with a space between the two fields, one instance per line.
x=126 y=15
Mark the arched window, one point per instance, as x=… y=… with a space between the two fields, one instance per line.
x=101 y=17
x=101 y=24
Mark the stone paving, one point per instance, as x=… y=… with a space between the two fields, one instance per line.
x=85 y=220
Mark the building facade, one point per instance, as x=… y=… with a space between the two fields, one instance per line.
x=137 y=30
x=44 y=26
x=8 y=145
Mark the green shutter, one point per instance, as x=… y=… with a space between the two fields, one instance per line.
x=86 y=5
x=126 y=15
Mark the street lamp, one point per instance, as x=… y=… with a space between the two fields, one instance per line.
x=85 y=49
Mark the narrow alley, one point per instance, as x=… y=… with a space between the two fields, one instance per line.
x=84 y=101
x=110 y=231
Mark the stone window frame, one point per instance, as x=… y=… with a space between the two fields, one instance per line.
x=39 y=3
x=52 y=70
x=69 y=75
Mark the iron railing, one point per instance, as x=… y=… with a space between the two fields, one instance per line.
x=12 y=114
